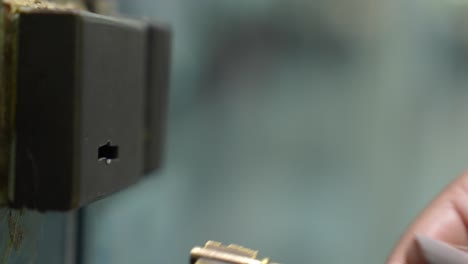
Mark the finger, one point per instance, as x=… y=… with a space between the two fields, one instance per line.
x=446 y=219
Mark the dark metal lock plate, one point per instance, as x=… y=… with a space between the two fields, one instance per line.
x=91 y=96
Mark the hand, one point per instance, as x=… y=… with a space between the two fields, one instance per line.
x=445 y=219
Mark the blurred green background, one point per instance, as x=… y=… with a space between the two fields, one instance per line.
x=313 y=131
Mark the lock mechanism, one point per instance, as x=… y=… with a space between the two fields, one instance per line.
x=86 y=105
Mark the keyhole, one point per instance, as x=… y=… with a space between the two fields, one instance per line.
x=108 y=152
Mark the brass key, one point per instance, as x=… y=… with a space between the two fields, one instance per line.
x=216 y=253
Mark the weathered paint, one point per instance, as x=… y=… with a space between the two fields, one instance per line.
x=32 y=237
x=18 y=236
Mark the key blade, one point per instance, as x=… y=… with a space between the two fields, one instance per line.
x=216 y=253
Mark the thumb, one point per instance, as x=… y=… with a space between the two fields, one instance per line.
x=445 y=219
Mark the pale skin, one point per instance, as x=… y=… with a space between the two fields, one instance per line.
x=445 y=219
